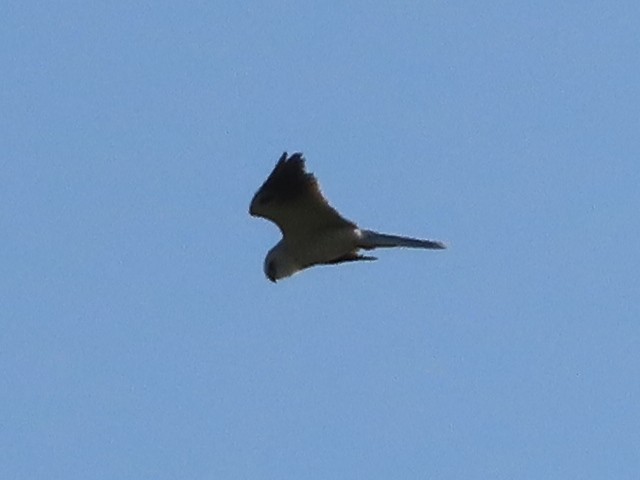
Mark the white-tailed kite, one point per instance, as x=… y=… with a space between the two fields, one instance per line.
x=313 y=232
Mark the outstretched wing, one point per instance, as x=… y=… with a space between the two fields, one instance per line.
x=291 y=198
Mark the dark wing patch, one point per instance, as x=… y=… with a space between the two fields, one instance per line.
x=291 y=198
x=288 y=180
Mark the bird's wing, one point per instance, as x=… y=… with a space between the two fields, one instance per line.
x=291 y=198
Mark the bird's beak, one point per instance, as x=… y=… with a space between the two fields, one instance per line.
x=271 y=279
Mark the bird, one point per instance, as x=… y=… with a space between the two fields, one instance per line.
x=313 y=232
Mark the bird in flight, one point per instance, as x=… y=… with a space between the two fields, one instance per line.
x=313 y=232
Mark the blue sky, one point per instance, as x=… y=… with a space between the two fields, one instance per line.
x=140 y=338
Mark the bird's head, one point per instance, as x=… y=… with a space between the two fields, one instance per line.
x=279 y=264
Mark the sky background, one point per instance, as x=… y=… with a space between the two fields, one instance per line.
x=139 y=338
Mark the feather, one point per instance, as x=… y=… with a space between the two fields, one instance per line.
x=371 y=239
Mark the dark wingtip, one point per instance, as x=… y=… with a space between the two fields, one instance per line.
x=287 y=160
x=288 y=179
x=296 y=158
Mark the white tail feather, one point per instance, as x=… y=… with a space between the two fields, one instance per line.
x=371 y=239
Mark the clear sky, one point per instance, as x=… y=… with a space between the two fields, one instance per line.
x=139 y=338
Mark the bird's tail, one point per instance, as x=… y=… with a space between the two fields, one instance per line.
x=371 y=239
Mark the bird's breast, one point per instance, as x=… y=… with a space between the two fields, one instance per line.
x=324 y=246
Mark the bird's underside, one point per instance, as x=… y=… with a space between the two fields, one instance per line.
x=313 y=232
